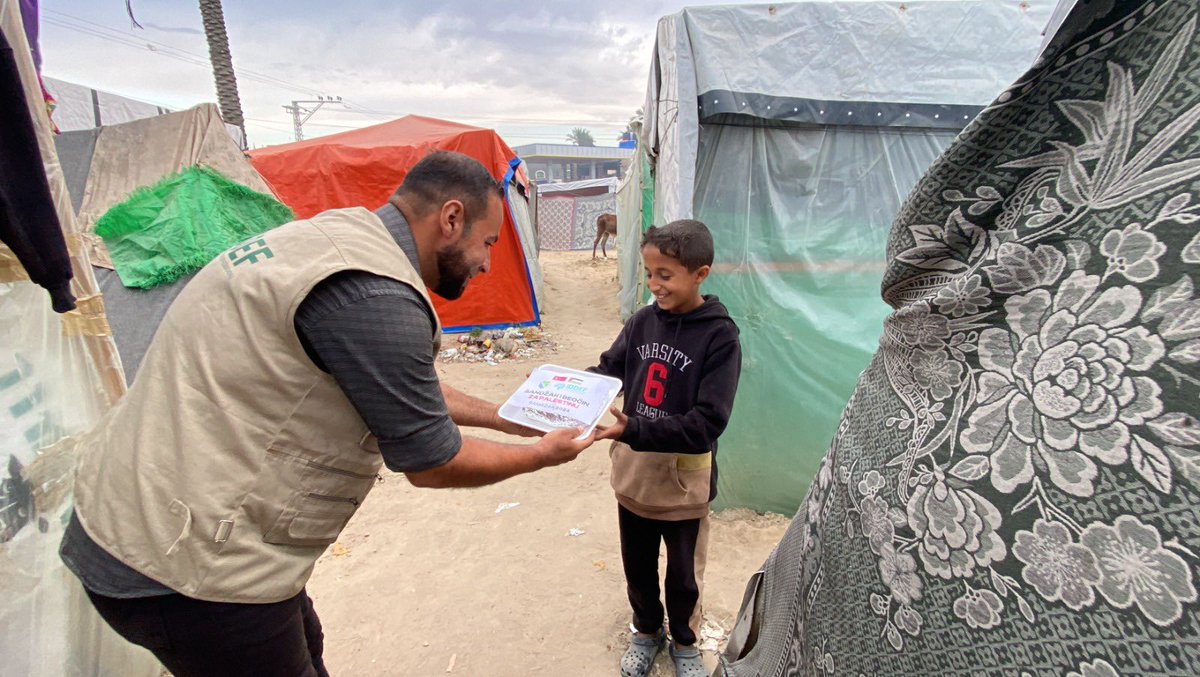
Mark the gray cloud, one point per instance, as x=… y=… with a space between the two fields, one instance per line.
x=517 y=68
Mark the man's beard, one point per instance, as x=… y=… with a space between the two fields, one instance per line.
x=453 y=273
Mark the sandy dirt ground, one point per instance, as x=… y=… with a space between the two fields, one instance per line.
x=436 y=582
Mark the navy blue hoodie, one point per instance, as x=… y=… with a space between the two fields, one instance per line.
x=680 y=373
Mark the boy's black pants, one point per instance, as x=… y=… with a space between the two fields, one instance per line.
x=194 y=638
x=687 y=549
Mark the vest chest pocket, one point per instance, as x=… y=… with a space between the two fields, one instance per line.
x=320 y=501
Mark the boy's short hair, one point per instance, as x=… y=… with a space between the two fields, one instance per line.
x=686 y=240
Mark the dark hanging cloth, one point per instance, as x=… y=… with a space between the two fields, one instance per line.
x=28 y=222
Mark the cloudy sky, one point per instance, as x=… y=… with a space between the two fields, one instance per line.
x=532 y=70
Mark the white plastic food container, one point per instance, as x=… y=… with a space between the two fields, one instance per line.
x=556 y=397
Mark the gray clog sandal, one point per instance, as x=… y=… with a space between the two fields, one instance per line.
x=688 y=662
x=640 y=656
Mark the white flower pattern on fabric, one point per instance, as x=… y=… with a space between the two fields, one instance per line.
x=964 y=296
x=956 y=527
x=979 y=608
x=898 y=570
x=1132 y=253
x=1137 y=569
x=1059 y=569
x=919 y=327
x=876 y=523
x=936 y=372
x=1064 y=383
x=1096 y=668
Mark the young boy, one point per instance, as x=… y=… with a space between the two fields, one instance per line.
x=679 y=360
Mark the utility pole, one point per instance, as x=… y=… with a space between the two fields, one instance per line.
x=296 y=110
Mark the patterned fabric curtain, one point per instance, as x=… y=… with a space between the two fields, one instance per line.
x=570 y=222
x=1014 y=487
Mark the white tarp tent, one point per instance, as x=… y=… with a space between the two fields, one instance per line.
x=919 y=64
x=633 y=210
x=104 y=166
x=81 y=107
x=608 y=183
x=795 y=131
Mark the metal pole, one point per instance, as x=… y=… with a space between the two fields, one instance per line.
x=296 y=109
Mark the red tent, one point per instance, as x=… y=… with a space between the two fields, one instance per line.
x=363 y=167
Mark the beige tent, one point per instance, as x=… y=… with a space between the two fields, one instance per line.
x=103 y=166
x=118 y=159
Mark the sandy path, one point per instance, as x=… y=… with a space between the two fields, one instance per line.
x=430 y=582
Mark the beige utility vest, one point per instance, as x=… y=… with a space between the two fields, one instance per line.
x=233 y=461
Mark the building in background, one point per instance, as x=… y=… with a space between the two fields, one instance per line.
x=557 y=162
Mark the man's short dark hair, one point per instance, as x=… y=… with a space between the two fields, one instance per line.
x=685 y=240
x=445 y=175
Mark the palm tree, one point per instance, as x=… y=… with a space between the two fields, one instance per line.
x=222 y=61
x=222 y=64
x=581 y=137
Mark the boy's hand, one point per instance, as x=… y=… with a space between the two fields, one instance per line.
x=614 y=431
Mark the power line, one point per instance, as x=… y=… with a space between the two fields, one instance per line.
x=354 y=108
x=271 y=123
x=172 y=54
x=110 y=34
x=282 y=126
x=114 y=35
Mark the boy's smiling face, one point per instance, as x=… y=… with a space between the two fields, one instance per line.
x=676 y=289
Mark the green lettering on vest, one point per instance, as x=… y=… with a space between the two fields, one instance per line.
x=250 y=253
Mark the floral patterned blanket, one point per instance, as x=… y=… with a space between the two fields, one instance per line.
x=1015 y=484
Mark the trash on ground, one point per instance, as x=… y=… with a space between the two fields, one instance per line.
x=494 y=347
x=711 y=636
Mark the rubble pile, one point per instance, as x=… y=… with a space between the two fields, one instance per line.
x=493 y=347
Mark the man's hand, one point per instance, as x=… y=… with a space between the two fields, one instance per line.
x=561 y=446
x=506 y=426
x=480 y=462
x=510 y=427
x=614 y=431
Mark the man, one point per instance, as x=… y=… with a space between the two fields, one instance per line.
x=287 y=372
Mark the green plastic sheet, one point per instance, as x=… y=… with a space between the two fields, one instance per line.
x=176 y=226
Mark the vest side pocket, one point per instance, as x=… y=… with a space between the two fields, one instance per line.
x=312 y=520
x=317 y=500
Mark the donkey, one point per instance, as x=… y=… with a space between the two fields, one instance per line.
x=606 y=224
